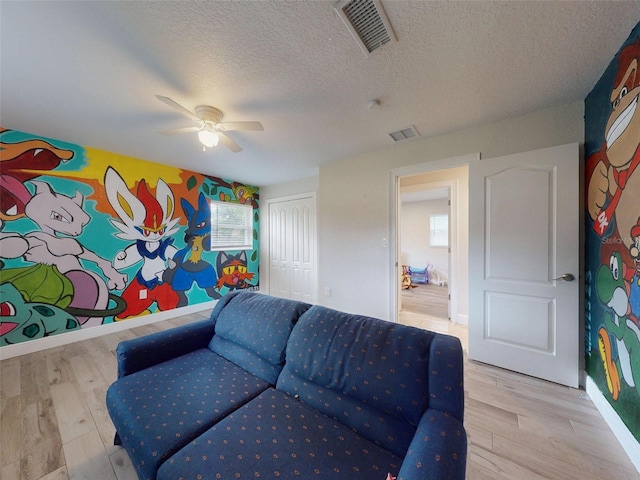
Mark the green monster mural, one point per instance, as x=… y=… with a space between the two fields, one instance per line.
x=612 y=147
x=89 y=237
x=22 y=321
x=621 y=325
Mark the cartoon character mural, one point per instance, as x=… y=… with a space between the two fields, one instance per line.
x=612 y=146
x=58 y=215
x=146 y=220
x=86 y=240
x=23 y=161
x=620 y=324
x=244 y=194
x=188 y=265
x=611 y=180
x=22 y=321
x=232 y=271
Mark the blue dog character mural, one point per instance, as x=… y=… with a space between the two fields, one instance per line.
x=187 y=266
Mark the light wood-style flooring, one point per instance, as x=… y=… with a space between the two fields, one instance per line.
x=428 y=299
x=521 y=427
x=54 y=424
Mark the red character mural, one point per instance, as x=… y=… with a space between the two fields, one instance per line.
x=147 y=220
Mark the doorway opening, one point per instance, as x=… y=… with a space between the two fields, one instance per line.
x=453 y=176
x=425 y=247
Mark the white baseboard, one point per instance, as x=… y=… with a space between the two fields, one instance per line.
x=620 y=430
x=461 y=319
x=24 y=348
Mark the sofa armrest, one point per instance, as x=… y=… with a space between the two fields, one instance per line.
x=438 y=449
x=143 y=352
x=446 y=377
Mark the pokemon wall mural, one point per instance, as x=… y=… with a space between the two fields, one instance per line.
x=612 y=307
x=89 y=237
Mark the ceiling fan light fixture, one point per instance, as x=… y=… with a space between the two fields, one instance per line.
x=208 y=138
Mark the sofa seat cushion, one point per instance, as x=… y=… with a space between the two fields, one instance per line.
x=277 y=436
x=252 y=331
x=158 y=410
x=368 y=374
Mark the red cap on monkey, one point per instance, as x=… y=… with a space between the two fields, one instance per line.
x=635 y=230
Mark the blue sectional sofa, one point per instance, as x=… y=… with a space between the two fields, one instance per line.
x=273 y=388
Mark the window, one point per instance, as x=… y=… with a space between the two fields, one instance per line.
x=231 y=226
x=439 y=230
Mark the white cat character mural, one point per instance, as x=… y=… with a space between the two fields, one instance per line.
x=146 y=220
x=56 y=254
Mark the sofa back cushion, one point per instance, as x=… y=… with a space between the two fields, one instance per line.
x=369 y=374
x=252 y=331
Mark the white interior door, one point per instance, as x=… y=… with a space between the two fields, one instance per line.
x=292 y=252
x=524 y=247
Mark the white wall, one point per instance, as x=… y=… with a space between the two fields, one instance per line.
x=416 y=250
x=304 y=185
x=353 y=200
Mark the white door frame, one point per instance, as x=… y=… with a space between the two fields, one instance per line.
x=394 y=200
x=265 y=257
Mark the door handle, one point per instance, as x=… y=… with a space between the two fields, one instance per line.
x=567 y=277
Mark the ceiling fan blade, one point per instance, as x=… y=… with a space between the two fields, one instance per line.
x=175 y=131
x=227 y=142
x=178 y=107
x=240 y=126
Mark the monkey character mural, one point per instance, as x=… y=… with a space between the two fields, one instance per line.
x=612 y=148
x=89 y=237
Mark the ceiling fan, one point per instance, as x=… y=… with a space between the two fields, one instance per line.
x=210 y=128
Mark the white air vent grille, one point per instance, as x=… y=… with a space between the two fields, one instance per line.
x=367 y=22
x=404 y=134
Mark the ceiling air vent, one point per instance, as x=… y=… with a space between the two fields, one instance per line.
x=367 y=22
x=404 y=134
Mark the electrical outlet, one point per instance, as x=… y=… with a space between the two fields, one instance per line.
x=327 y=291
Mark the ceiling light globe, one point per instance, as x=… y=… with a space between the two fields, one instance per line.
x=208 y=138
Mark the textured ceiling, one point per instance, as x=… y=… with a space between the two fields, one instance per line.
x=87 y=72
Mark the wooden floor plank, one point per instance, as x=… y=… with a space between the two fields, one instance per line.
x=122 y=465
x=72 y=412
x=34 y=380
x=10 y=471
x=41 y=448
x=59 y=474
x=500 y=466
x=10 y=431
x=549 y=466
x=9 y=373
x=59 y=368
x=430 y=299
x=87 y=459
x=96 y=404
